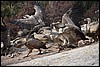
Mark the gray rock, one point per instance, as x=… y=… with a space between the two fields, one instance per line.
x=84 y=56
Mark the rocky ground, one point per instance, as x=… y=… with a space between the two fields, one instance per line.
x=83 y=56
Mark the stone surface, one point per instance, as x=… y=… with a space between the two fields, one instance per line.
x=83 y=56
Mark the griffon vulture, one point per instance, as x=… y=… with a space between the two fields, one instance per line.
x=31 y=21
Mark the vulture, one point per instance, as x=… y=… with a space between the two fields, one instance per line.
x=30 y=21
x=72 y=18
x=75 y=30
x=74 y=15
x=91 y=29
x=73 y=35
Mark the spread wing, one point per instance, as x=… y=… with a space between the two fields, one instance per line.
x=76 y=13
x=31 y=21
x=28 y=23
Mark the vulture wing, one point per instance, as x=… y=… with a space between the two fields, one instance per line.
x=28 y=23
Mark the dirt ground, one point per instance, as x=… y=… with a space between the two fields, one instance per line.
x=6 y=60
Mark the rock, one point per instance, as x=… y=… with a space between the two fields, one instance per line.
x=83 y=56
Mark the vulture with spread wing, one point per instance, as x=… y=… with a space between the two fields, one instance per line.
x=73 y=16
x=31 y=21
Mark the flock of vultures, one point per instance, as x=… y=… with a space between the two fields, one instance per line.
x=35 y=34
